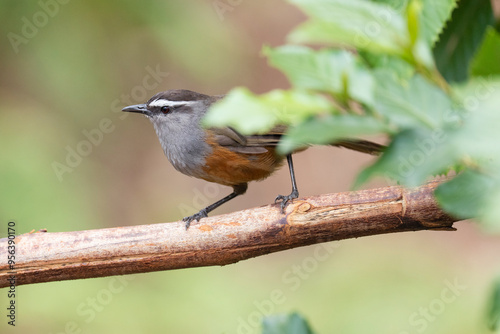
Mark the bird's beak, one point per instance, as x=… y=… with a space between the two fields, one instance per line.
x=138 y=108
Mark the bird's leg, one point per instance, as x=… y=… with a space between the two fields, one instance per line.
x=295 y=192
x=239 y=189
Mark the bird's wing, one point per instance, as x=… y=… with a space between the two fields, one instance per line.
x=256 y=144
x=250 y=144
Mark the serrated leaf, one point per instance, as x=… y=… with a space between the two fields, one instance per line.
x=250 y=113
x=329 y=128
x=434 y=16
x=361 y=24
x=285 y=324
x=412 y=157
x=476 y=192
x=468 y=139
x=409 y=104
x=487 y=59
x=461 y=37
x=334 y=71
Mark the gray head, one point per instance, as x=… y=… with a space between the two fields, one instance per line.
x=172 y=104
x=176 y=116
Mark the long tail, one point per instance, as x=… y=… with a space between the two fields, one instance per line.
x=363 y=146
x=273 y=137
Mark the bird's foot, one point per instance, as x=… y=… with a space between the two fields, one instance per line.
x=285 y=200
x=196 y=216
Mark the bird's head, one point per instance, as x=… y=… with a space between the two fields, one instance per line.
x=173 y=105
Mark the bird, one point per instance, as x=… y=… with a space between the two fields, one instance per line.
x=221 y=154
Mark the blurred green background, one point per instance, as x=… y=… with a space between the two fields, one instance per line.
x=68 y=67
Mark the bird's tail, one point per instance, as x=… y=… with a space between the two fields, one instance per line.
x=363 y=146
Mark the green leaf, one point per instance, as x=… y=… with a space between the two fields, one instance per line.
x=250 y=113
x=473 y=194
x=461 y=37
x=399 y=5
x=334 y=71
x=478 y=138
x=412 y=157
x=434 y=15
x=362 y=24
x=476 y=192
x=494 y=308
x=491 y=213
x=464 y=138
x=285 y=324
x=396 y=66
x=465 y=194
x=328 y=129
x=416 y=103
x=487 y=60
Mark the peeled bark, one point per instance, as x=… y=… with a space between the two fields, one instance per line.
x=221 y=240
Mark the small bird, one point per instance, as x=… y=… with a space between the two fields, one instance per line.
x=220 y=155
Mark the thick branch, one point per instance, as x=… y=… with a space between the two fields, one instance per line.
x=220 y=240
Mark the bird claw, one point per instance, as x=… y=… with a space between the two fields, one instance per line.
x=285 y=200
x=196 y=216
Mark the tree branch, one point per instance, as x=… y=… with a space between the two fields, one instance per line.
x=220 y=240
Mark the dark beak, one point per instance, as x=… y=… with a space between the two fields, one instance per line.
x=138 y=108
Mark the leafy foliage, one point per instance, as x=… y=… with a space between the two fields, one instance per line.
x=261 y=113
x=400 y=83
x=486 y=62
x=461 y=38
x=333 y=71
x=357 y=23
x=291 y=323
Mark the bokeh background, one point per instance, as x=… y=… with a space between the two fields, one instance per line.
x=77 y=65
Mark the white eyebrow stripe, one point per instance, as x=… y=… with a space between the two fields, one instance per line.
x=164 y=102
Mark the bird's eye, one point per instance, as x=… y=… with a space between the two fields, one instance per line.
x=165 y=109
